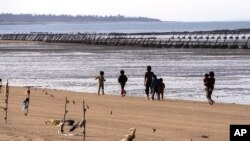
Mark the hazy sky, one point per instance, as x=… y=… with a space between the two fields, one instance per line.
x=166 y=10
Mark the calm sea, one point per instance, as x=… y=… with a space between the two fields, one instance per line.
x=74 y=67
x=122 y=27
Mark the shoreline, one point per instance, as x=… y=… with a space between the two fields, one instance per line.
x=109 y=117
x=88 y=48
x=30 y=50
x=140 y=96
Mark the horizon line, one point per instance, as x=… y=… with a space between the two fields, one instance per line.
x=116 y=15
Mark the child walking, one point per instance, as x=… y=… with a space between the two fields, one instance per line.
x=155 y=87
x=161 y=89
x=122 y=80
x=205 y=81
x=101 y=82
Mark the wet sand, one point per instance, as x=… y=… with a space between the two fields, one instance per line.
x=174 y=120
x=15 y=41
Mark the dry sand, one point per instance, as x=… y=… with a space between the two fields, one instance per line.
x=174 y=120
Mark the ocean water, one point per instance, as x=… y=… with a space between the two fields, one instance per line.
x=74 y=67
x=126 y=27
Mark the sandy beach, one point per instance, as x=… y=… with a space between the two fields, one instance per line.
x=174 y=120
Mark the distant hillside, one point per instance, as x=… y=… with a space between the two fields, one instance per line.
x=29 y=18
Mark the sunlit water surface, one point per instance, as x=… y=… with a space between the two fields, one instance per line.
x=74 y=67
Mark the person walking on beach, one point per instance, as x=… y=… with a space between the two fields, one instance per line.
x=148 y=81
x=122 y=80
x=155 y=87
x=161 y=89
x=101 y=82
x=210 y=87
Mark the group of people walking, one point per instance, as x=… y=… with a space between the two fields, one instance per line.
x=151 y=82
x=122 y=80
x=156 y=86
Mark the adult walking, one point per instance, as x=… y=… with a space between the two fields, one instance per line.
x=148 y=80
x=210 y=87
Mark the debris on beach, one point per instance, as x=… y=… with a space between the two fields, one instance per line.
x=53 y=122
x=80 y=124
x=130 y=136
x=204 y=136
x=56 y=122
x=26 y=102
x=154 y=130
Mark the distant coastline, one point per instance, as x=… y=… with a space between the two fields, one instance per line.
x=46 y=19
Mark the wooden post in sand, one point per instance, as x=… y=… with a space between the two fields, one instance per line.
x=65 y=109
x=1 y=85
x=64 y=116
x=84 y=121
x=6 y=101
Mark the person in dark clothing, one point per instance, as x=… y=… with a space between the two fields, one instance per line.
x=210 y=87
x=148 y=80
x=161 y=89
x=155 y=87
x=205 y=80
x=122 y=80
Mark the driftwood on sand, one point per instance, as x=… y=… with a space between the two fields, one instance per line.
x=56 y=122
x=130 y=136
